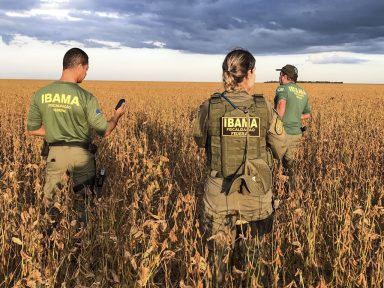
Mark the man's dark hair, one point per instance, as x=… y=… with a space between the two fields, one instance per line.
x=74 y=57
x=293 y=78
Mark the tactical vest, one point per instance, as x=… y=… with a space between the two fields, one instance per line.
x=228 y=130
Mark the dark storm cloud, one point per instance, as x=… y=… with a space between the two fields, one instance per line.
x=264 y=27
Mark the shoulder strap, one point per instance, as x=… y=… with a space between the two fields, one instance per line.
x=215 y=98
x=260 y=101
x=230 y=102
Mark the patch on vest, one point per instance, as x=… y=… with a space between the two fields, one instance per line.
x=237 y=126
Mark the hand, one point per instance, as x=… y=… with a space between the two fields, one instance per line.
x=120 y=111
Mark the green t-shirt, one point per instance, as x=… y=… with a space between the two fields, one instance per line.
x=67 y=112
x=296 y=105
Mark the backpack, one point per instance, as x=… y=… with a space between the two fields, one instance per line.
x=238 y=146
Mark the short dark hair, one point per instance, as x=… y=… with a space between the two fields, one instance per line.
x=74 y=57
x=291 y=72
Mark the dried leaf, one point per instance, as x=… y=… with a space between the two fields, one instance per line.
x=296 y=243
x=148 y=252
x=115 y=277
x=240 y=222
x=359 y=211
x=202 y=265
x=25 y=255
x=17 y=241
x=168 y=254
x=183 y=285
x=132 y=259
x=164 y=159
x=144 y=275
x=374 y=236
x=149 y=163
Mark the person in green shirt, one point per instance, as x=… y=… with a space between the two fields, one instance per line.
x=292 y=105
x=64 y=114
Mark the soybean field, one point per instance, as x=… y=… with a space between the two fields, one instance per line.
x=146 y=228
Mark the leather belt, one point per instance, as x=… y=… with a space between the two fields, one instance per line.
x=70 y=144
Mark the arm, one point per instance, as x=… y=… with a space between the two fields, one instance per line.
x=35 y=125
x=304 y=121
x=96 y=119
x=38 y=132
x=306 y=114
x=200 y=125
x=276 y=137
x=280 y=108
x=112 y=123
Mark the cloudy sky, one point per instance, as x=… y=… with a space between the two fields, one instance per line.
x=186 y=40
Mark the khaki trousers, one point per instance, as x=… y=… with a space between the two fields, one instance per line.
x=223 y=212
x=228 y=221
x=289 y=158
x=79 y=163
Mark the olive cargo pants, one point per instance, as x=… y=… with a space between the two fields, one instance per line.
x=227 y=217
x=79 y=163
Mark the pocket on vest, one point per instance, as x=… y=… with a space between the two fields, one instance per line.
x=256 y=179
x=260 y=173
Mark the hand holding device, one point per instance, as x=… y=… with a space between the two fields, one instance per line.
x=121 y=101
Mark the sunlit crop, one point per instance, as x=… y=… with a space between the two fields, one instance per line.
x=145 y=231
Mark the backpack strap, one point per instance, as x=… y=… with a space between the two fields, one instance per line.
x=260 y=102
x=215 y=98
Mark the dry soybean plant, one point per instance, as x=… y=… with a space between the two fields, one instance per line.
x=146 y=228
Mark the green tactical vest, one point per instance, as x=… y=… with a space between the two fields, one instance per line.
x=227 y=134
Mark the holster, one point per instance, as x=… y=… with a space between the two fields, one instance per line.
x=45 y=149
x=92 y=148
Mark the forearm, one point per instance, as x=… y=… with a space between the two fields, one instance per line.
x=280 y=109
x=304 y=119
x=112 y=123
x=38 y=132
x=200 y=126
x=305 y=116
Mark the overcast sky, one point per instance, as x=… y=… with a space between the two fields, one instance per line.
x=186 y=40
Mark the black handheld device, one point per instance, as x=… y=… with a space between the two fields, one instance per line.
x=99 y=182
x=121 y=101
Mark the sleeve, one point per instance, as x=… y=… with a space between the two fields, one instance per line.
x=281 y=94
x=34 y=120
x=307 y=108
x=95 y=116
x=200 y=125
x=276 y=136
